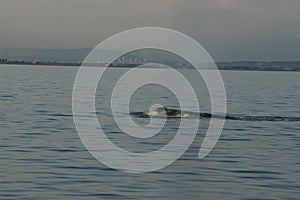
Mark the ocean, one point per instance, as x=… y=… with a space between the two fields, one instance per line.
x=42 y=156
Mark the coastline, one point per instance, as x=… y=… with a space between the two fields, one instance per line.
x=239 y=66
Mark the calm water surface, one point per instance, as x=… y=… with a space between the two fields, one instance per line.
x=42 y=156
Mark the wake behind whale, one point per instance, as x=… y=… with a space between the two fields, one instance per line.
x=175 y=113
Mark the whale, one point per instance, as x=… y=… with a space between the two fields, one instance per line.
x=168 y=112
x=164 y=112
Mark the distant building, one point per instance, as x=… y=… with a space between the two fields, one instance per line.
x=35 y=61
x=3 y=60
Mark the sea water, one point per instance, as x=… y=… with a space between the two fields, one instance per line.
x=42 y=156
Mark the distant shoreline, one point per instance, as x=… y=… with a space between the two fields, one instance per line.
x=39 y=63
x=238 y=65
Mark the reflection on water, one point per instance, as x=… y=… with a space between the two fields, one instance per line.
x=42 y=156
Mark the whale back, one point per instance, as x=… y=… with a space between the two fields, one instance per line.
x=164 y=112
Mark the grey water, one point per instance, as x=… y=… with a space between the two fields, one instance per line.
x=42 y=156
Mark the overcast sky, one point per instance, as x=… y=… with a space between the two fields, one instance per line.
x=228 y=29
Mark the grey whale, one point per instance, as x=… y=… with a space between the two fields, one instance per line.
x=167 y=112
x=175 y=113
